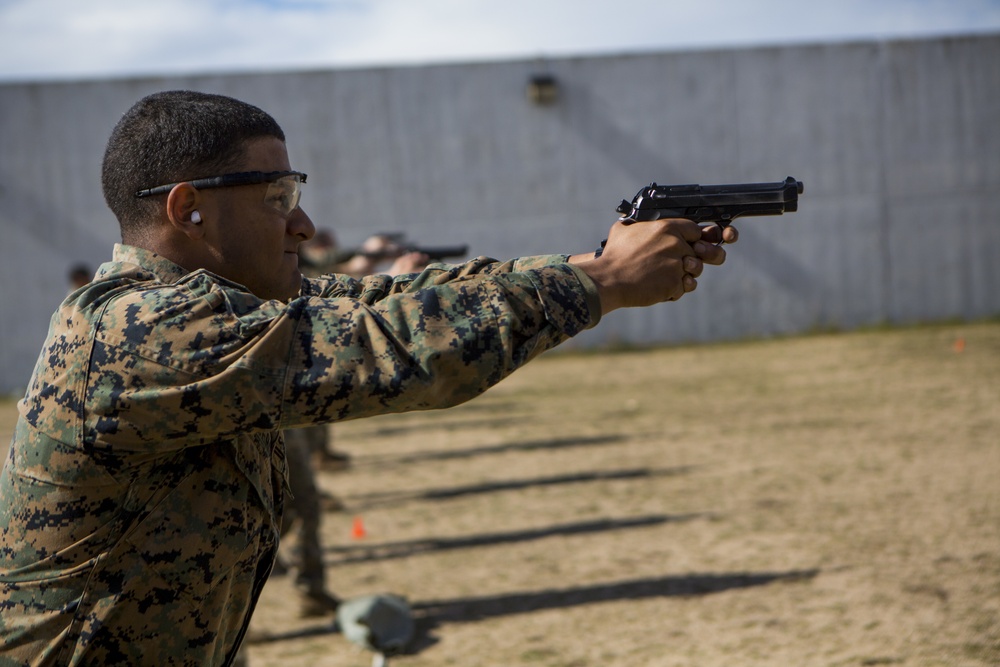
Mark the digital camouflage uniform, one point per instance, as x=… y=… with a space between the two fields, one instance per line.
x=140 y=500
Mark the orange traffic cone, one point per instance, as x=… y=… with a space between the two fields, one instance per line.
x=358 y=529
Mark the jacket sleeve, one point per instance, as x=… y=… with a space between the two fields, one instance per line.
x=428 y=340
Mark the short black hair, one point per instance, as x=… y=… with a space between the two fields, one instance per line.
x=174 y=136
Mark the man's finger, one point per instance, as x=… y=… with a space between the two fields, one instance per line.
x=688 y=230
x=709 y=254
x=693 y=266
x=718 y=234
x=711 y=234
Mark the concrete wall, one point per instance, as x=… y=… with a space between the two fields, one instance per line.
x=896 y=143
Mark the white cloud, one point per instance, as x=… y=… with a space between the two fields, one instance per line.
x=71 y=39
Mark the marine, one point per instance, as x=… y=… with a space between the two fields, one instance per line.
x=140 y=502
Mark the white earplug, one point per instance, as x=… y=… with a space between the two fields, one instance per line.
x=196 y=217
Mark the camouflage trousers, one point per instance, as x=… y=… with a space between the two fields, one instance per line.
x=302 y=510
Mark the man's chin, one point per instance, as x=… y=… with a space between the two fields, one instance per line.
x=294 y=288
x=285 y=292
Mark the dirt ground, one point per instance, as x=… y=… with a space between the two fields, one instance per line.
x=825 y=500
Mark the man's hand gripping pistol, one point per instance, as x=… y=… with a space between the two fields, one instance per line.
x=718 y=204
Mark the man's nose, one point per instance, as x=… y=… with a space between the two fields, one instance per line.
x=301 y=225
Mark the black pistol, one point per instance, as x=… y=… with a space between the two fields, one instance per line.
x=718 y=204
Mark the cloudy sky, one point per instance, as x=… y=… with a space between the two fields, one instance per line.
x=85 y=39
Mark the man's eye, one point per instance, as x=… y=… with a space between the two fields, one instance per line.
x=282 y=196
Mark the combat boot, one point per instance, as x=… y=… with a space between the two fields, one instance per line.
x=318 y=603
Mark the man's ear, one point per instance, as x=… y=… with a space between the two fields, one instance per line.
x=182 y=210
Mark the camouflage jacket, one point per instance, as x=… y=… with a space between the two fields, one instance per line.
x=140 y=499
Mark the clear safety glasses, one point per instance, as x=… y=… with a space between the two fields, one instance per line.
x=284 y=188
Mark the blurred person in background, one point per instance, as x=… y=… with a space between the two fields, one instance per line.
x=311 y=447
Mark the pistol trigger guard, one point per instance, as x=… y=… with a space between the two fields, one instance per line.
x=721 y=224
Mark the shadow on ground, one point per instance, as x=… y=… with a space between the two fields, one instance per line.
x=391 y=550
x=470 y=452
x=379 y=499
x=431 y=614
